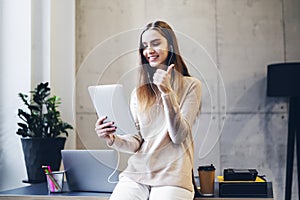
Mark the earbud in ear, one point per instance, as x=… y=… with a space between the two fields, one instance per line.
x=171 y=48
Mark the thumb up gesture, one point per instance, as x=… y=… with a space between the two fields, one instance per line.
x=162 y=79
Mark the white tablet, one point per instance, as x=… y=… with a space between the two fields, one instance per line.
x=110 y=101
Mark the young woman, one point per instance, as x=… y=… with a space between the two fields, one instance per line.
x=164 y=105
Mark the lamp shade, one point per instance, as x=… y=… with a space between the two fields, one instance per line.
x=283 y=80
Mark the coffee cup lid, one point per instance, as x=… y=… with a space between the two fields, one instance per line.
x=207 y=168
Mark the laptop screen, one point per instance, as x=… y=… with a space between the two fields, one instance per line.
x=91 y=170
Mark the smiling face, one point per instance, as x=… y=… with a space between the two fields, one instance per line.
x=155 y=48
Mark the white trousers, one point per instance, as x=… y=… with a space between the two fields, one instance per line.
x=127 y=189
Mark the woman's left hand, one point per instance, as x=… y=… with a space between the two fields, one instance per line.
x=162 y=79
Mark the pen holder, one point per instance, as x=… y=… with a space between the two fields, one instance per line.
x=55 y=181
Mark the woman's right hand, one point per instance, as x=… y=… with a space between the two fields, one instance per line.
x=105 y=130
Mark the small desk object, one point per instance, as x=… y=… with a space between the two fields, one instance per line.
x=283 y=80
x=256 y=188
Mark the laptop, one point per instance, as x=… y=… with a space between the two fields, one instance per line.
x=110 y=101
x=91 y=170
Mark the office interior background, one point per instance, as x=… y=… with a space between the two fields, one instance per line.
x=227 y=44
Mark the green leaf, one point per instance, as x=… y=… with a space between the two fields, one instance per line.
x=24 y=126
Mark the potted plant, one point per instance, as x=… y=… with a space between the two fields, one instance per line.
x=41 y=129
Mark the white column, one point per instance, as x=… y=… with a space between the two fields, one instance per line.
x=63 y=60
x=41 y=41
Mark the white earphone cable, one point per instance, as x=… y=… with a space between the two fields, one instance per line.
x=115 y=170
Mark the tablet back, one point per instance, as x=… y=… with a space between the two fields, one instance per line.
x=110 y=101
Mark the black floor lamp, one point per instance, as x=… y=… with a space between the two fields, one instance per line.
x=283 y=80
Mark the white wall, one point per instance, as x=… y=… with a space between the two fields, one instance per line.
x=15 y=75
x=37 y=45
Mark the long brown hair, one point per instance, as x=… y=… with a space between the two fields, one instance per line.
x=147 y=91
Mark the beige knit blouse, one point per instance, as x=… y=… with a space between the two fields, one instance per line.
x=163 y=150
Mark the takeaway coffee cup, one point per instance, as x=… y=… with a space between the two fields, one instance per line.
x=207 y=180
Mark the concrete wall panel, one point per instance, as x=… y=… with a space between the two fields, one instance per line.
x=227 y=45
x=291 y=13
x=256 y=141
x=246 y=47
x=207 y=137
